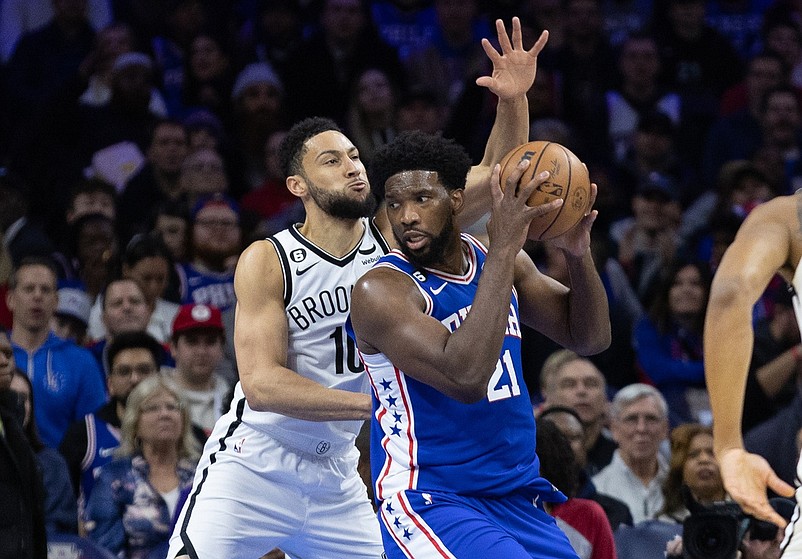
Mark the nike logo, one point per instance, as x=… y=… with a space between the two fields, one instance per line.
x=369 y=251
x=301 y=271
x=436 y=291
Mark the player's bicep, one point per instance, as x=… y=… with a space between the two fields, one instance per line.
x=542 y=300
x=260 y=324
x=388 y=316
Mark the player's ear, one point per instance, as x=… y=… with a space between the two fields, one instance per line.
x=297 y=185
x=457 y=199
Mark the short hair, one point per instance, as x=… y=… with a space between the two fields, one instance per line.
x=293 y=147
x=46 y=261
x=557 y=360
x=548 y=411
x=147 y=388
x=415 y=150
x=143 y=246
x=91 y=186
x=633 y=393
x=112 y=281
x=135 y=340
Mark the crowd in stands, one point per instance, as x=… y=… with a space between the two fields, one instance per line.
x=138 y=158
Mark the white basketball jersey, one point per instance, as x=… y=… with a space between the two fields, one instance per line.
x=317 y=298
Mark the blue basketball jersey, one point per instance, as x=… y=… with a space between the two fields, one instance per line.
x=424 y=440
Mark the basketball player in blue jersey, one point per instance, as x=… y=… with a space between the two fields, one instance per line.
x=438 y=325
x=280 y=469
x=768 y=242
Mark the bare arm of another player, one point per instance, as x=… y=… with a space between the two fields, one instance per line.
x=576 y=317
x=760 y=249
x=387 y=310
x=260 y=340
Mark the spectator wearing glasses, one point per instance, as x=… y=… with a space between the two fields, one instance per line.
x=90 y=441
x=215 y=243
x=639 y=424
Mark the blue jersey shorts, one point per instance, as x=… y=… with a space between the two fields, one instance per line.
x=421 y=525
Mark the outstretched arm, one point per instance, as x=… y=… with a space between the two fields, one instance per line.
x=514 y=70
x=761 y=248
x=260 y=339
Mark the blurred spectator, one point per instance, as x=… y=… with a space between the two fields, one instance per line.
x=197 y=347
x=764 y=71
x=45 y=60
x=158 y=180
x=699 y=63
x=692 y=465
x=22 y=493
x=71 y=319
x=203 y=173
x=321 y=71
x=776 y=364
x=668 y=342
x=781 y=126
x=120 y=308
x=419 y=109
x=61 y=507
x=648 y=241
x=371 y=112
x=19 y=17
x=67 y=382
x=148 y=261
x=783 y=36
x=111 y=42
x=272 y=202
x=259 y=109
x=170 y=221
x=623 y=18
x=569 y=423
x=215 y=244
x=133 y=505
x=406 y=25
x=89 y=442
x=639 y=93
x=582 y=520
x=273 y=34
x=208 y=75
x=573 y=381
x=91 y=253
x=739 y=22
x=21 y=236
x=92 y=196
x=453 y=55
x=639 y=424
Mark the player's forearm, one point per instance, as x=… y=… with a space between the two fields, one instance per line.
x=588 y=312
x=301 y=398
x=473 y=349
x=728 y=341
x=510 y=130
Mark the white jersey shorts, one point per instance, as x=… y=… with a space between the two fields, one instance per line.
x=253 y=493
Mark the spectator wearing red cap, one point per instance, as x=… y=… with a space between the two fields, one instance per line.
x=215 y=243
x=197 y=347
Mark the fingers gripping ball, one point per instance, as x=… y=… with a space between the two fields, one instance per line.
x=568 y=180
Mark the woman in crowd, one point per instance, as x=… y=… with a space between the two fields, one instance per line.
x=136 y=497
x=668 y=342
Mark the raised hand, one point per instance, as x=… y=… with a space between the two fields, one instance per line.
x=514 y=68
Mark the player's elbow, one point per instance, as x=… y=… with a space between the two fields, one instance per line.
x=469 y=394
x=595 y=341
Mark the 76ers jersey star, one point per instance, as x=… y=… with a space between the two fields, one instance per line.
x=427 y=441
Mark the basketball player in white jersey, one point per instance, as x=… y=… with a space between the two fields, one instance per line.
x=280 y=469
x=769 y=242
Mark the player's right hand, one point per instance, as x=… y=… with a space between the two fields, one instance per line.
x=746 y=477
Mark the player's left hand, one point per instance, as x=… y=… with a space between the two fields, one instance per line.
x=514 y=68
x=576 y=241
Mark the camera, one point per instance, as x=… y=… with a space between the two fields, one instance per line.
x=715 y=531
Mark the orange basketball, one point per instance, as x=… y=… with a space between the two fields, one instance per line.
x=568 y=180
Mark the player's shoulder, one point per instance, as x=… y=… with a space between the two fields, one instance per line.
x=258 y=263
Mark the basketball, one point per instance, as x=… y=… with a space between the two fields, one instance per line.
x=568 y=180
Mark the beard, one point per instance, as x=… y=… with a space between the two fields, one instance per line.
x=340 y=205
x=432 y=254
